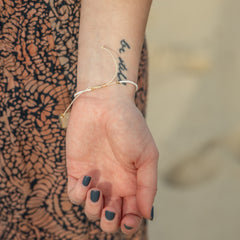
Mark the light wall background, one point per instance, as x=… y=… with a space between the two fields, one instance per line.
x=194 y=116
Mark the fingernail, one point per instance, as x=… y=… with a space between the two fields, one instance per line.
x=94 y=196
x=86 y=180
x=127 y=227
x=109 y=215
x=152 y=213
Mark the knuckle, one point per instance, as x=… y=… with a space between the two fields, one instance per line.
x=152 y=155
x=74 y=199
x=109 y=229
x=92 y=216
x=152 y=188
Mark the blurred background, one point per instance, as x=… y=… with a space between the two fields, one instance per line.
x=194 y=116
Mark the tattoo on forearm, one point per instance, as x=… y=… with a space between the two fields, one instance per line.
x=121 y=68
x=124 y=45
x=121 y=64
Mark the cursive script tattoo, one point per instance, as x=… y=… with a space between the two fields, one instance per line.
x=121 y=68
x=124 y=45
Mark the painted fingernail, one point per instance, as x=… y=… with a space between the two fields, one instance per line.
x=109 y=215
x=127 y=227
x=152 y=213
x=94 y=196
x=86 y=180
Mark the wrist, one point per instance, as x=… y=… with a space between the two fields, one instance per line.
x=99 y=67
x=110 y=93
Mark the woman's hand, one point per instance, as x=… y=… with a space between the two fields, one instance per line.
x=111 y=159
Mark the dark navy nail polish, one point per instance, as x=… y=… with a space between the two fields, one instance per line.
x=94 y=195
x=86 y=180
x=127 y=227
x=152 y=213
x=109 y=215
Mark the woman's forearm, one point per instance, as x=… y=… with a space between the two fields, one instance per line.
x=117 y=24
x=107 y=137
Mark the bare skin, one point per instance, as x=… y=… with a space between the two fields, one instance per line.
x=110 y=142
x=107 y=136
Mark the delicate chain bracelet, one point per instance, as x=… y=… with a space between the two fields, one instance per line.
x=63 y=117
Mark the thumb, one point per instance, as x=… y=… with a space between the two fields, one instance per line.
x=147 y=186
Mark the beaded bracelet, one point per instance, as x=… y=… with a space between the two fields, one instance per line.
x=63 y=117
